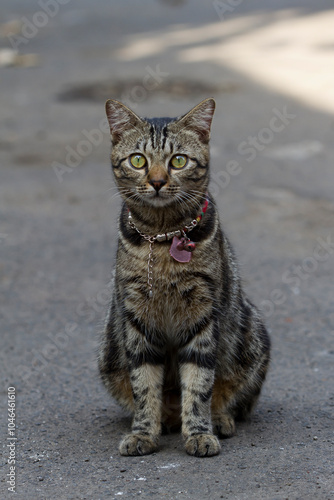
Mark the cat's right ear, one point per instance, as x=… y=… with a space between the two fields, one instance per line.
x=120 y=119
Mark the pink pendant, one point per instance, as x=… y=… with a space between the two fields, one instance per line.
x=179 y=255
x=181 y=243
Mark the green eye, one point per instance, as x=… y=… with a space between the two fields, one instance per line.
x=137 y=160
x=179 y=161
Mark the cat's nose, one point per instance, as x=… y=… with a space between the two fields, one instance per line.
x=157 y=184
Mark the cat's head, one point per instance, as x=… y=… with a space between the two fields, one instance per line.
x=160 y=161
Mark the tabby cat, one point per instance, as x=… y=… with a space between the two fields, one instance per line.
x=183 y=346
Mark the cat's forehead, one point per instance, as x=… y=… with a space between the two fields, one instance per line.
x=153 y=136
x=159 y=134
x=159 y=123
x=159 y=137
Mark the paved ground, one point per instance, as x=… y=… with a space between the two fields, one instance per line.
x=272 y=164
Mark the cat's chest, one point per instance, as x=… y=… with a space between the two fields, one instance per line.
x=157 y=267
x=181 y=292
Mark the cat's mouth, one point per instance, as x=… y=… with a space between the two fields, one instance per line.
x=157 y=198
x=164 y=196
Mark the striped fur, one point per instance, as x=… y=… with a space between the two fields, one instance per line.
x=195 y=354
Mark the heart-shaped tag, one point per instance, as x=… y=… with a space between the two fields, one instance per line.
x=179 y=255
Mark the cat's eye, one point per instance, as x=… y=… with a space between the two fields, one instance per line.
x=137 y=160
x=179 y=161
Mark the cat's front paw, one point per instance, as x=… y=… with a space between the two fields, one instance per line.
x=137 y=444
x=202 y=445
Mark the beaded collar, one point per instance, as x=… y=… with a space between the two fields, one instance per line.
x=181 y=247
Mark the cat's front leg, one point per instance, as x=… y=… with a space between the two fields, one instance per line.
x=197 y=372
x=146 y=375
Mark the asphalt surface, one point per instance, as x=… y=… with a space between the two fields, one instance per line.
x=273 y=178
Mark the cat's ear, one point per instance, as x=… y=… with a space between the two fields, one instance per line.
x=199 y=119
x=120 y=119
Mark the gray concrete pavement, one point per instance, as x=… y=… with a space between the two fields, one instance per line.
x=273 y=177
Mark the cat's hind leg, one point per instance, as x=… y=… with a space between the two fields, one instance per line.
x=234 y=399
x=112 y=364
x=246 y=399
x=223 y=397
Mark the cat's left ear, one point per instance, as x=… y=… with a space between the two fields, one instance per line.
x=199 y=119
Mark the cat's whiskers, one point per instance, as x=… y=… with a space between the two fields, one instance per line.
x=185 y=203
x=134 y=196
x=180 y=201
x=196 y=192
x=191 y=199
x=127 y=194
x=109 y=189
x=137 y=198
x=195 y=198
x=115 y=195
x=198 y=195
x=121 y=192
x=186 y=196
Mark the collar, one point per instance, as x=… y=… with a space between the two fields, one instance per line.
x=170 y=234
x=181 y=248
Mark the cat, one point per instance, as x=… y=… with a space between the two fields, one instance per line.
x=183 y=347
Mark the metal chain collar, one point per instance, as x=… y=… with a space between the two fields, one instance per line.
x=159 y=237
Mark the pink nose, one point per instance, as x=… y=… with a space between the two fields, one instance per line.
x=157 y=183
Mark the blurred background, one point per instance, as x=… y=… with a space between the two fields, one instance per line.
x=269 y=65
